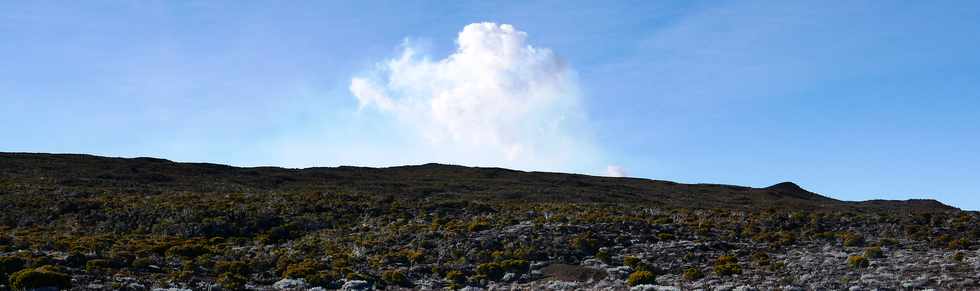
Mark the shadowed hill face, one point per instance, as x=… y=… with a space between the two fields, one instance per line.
x=150 y=175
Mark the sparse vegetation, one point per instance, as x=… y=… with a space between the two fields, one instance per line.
x=857 y=262
x=693 y=273
x=184 y=224
x=640 y=278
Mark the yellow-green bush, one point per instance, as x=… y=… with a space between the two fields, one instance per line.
x=693 y=273
x=631 y=261
x=640 y=278
x=760 y=258
x=44 y=276
x=188 y=250
x=232 y=281
x=234 y=267
x=97 y=265
x=857 y=262
x=455 y=276
x=492 y=271
x=873 y=252
x=10 y=264
x=395 y=277
x=852 y=239
x=959 y=256
x=727 y=265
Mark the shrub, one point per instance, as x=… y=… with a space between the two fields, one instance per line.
x=232 y=281
x=395 y=277
x=959 y=256
x=760 y=258
x=693 y=273
x=725 y=259
x=852 y=240
x=640 y=278
x=604 y=256
x=44 y=276
x=728 y=269
x=97 y=265
x=631 y=261
x=585 y=243
x=478 y=225
x=187 y=250
x=455 y=276
x=873 y=252
x=234 y=267
x=301 y=269
x=665 y=236
x=492 y=271
x=11 y=264
x=958 y=244
x=888 y=242
x=857 y=262
x=75 y=260
x=727 y=266
x=515 y=266
x=142 y=263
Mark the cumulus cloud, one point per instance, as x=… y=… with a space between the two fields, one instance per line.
x=496 y=100
x=615 y=171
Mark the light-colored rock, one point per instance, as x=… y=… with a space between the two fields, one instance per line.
x=289 y=284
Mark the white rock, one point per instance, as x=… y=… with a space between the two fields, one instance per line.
x=355 y=285
x=289 y=284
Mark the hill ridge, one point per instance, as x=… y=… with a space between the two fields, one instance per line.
x=144 y=173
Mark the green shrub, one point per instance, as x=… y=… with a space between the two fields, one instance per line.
x=604 y=256
x=760 y=258
x=640 y=278
x=959 y=256
x=302 y=269
x=142 y=263
x=958 y=244
x=492 y=271
x=232 y=281
x=75 y=260
x=395 y=277
x=725 y=259
x=97 y=265
x=693 y=273
x=665 y=236
x=631 y=261
x=455 y=276
x=187 y=250
x=44 y=276
x=515 y=266
x=873 y=252
x=234 y=267
x=728 y=269
x=727 y=265
x=857 y=262
x=585 y=243
x=888 y=242
x=11 y=264
x=478 y=225
x=852 y=239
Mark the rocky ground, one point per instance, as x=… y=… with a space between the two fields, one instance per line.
x=91 y=223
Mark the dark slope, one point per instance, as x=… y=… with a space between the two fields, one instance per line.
x=45 y=173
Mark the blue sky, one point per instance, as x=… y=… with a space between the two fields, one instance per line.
x=852 y=99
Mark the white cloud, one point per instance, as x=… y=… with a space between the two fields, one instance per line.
x=496 y=100
x=616 y=171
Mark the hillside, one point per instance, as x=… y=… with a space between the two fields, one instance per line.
x=150 y=175
x=84 y=222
